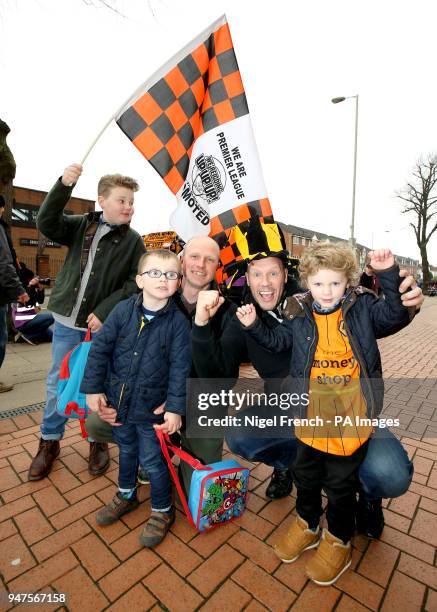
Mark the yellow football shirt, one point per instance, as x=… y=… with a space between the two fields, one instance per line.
x=335 y=392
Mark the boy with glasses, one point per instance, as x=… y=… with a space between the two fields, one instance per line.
x=140 y=360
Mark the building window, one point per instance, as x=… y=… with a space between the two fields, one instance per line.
x=24 y=214
x=295 y=239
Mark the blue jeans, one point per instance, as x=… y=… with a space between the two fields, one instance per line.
x=3 y=333
x=40 y=328
x=138 y=442
x=385 y=472
x=64 y=339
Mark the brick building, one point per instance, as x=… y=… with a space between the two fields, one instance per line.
x=297 y=238
x=25 y=208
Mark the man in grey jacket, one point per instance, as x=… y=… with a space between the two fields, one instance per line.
x=11 y=289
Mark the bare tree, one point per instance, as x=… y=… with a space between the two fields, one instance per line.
x=420 y=197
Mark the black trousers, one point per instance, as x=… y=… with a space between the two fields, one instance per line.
x=313 y=471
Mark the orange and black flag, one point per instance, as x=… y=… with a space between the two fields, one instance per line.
x=191 y=121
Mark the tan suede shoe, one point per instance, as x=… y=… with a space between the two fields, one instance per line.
x=297 y=539
x=332 y=558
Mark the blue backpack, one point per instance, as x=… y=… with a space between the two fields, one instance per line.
x=218 y=491
x=71 y=402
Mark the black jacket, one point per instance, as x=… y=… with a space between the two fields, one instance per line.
x=140 y=364
x=366 y=318
x=36 y=295
x=10 y=285
x=218 y=351
x=216 y=326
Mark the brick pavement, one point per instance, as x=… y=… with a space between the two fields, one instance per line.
x=49 y=540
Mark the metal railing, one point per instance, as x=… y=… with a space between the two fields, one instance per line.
x=55 y=264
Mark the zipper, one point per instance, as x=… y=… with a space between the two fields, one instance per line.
x=363 y=369
x=311 y=352
x=142 y=325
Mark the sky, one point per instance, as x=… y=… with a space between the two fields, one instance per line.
x=66 y=67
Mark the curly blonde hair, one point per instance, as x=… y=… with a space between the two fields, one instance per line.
x=329 y=256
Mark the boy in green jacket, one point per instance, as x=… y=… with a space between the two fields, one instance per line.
x=99 y=271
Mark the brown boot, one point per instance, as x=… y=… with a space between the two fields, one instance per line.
x=42 y=462
x=98 y=461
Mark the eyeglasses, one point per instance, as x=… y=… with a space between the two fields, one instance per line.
x=170 y=275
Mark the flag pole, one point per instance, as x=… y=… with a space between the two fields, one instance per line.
x=112 y=118
x=90 y=148
x=154 y=78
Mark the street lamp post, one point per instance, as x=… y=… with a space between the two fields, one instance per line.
x=337 y=101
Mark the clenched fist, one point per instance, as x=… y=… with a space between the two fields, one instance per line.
x=208 y=302
x=246 y=314
x=381 y=259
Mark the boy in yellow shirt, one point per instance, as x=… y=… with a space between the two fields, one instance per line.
x=332 y=330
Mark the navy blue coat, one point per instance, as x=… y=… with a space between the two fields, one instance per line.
x=366 y=318
x=140 y=364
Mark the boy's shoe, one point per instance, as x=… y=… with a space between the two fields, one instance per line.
x=369 y=517
x=297 y=539
x=115 y=509
x=332 y=558
x=280 y=484
x=143 y=476
x=157 y=527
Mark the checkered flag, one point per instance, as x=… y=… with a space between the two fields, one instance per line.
x=191 y=121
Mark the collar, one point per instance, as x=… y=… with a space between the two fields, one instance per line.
x=319 y=310
x=102 y=221
x=94 y=217
x=169 y=306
